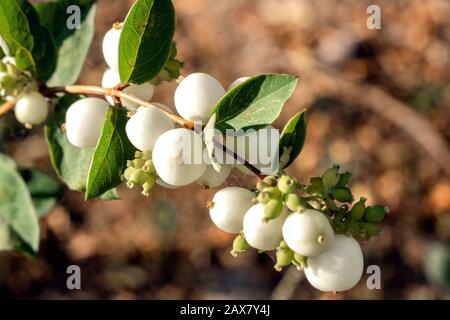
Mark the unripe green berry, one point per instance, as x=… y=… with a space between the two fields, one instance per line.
x=239 y=245
x=273 y=209
x=149 y=167
x=331 y=177
x=138 y=163
x=344 y=179
x=263 y=197
x=375 y=214
x=139 y=177
x=284 y=257
x=300 y=261
x=342 y=194
x=358 y=209
x=272 y=192
x=270 y=181
x=371 y=229
x=294 y=202
x=286 y=184
x=128 y=172
x=148 y=185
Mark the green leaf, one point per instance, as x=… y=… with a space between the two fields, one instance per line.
x=72 y=45
x=43 y=189
x=146 y=39
x=16 y=210
x=31 y=44
x=293 y=138
x=111 y=155
x=70 y=163
x=254 y=103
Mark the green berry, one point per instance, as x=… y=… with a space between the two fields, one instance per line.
x=358 y=209
x=263 y=197
x=138 y=163
x=239 y=245
x=344 y=179
x=149 y=167
x=272 y=192
x=300 y=261
x=139 y=177
x=148 y=185
x=270 y=181
x=331 y=177
x=342 y=194
x=287 y=184
x=128 y=172
x=375 y=214
x=273 y=209
x=284 y=257
x=371 y=229
x=294 y=202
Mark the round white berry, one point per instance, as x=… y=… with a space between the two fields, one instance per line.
x=143 y=91
x=228 y=208
x=237 y=82
x=196 y=96
x=110 y=48
x=84 y=122
x=177 y=156
x=31 y=108
x=145 y=126
x=308 y=232
x=212 y=178
x=337 y=269
x=260 y=234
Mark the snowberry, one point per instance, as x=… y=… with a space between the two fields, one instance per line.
x=237 y=82
x=31 y=108
x=308 y=232
x=84 y=122
x=196 y=96
x=174 y=157
x=260 y=234
x=337 y=269
x=145 y=126
x=143 y=91
x=228 y=207
x=110 y=47
x=212 y=178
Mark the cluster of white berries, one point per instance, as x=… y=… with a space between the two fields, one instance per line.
x=277 y=219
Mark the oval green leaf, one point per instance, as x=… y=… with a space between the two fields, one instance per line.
x=146 y=40
x=254 y=103
x=292 y=139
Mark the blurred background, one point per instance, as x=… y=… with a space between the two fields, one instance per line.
x=378 y=104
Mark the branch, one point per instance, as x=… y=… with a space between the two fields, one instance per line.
x=7 y=106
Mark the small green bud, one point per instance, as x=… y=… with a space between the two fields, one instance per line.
x=283 y=244
x=148 y=185
x=128 y=172
x=273 y=209
x=173 y=65
x=138 y=163
x=342 y=194
x=239 y=245
x=272 y=192
x=149 y=167
x=138 y=154
x=371 y=229
x=294 y=202
x=316 y=185
x=284 y=258
x=287 y=184
x=270 y=181
x=139 y=177
x=358 y=209
x=375 y=214
x=263 y=197
x=344 y=179
x=300 y=261
x=331 y=177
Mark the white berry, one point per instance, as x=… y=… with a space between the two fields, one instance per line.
x=237 y=82
x=145 y=126
x=308 y=232
x=84 y=121
x=337 y=269
x=196 y=96
x=143 y=91
x=110 y=48
x=228 y=208
x=177 y=156
x=31 y=108
x=263 y=235
x=212 y=178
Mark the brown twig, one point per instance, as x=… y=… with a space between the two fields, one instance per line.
x=6 y=107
